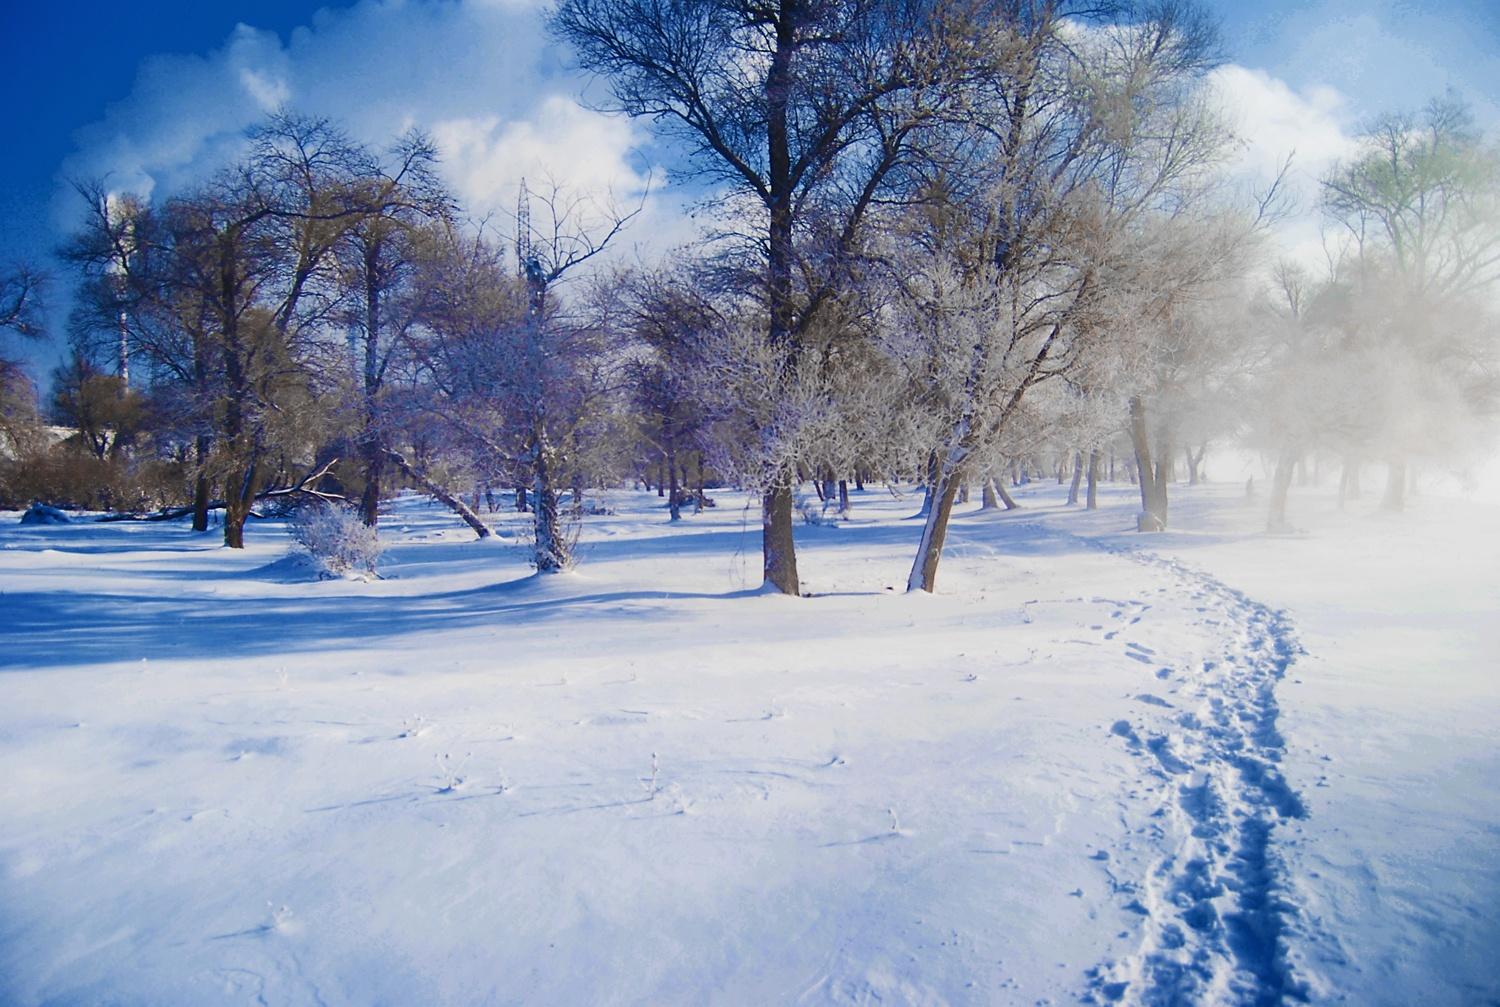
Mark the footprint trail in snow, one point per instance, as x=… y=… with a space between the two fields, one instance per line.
x=1216 y=922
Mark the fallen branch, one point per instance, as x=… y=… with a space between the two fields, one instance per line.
x=452 y=502
x=305 y=486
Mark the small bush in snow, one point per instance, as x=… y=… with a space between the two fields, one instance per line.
x=40 y=513
x=336 y=539
x=813 y=513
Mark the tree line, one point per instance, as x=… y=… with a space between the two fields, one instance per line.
x=948 y=240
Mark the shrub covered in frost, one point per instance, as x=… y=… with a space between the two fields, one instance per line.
x=336 y=539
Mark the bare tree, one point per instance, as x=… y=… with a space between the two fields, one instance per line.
x=568 y=232
x=23 y=290
x=806 y=113
x=379 y=255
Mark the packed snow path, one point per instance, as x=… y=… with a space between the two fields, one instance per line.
x=1214 y=916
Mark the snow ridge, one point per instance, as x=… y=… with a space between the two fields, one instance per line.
x=1216 y=920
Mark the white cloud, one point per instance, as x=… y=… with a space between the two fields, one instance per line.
x=269 y=92
x=563 y=144
x=479 y=75
x=1273 y=121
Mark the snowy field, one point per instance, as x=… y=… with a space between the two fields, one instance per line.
x=1207 y=766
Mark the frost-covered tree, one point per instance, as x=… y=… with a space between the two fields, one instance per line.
x=1087 y=136
x=1420 y=204
x=807 y=115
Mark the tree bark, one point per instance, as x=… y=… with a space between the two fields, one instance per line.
x=929 y=479
x=371 y=451
x=200 y=503
x=239 y=500
x=843 y=498
x=778 y=549
x=988 y=499
x=930 y=551
x=1077 y=479
x=674 y=492
x=1092 y=499
x=372 y=458
x=1153 y=487
x=200 y=485
x=1281 y=484
x=550 y=552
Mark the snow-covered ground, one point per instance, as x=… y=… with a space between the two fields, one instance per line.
x=1208 y=766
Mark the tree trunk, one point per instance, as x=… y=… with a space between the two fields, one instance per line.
x=1153 y=515
x=778 y=549
x=550 y=552
x=1092 y=498
x=201 y=487
x=452 y=502
x=239 y=500
x=372 y=453
x=1349 y=480
x=929 y=478
x=1281 y=484
x=200 y=503
x=1395 y=487
x=522 y=503
x=924 y=569
x=373 y=457
x=1005 y=497
x=1077 y=479
x=674 y=491
x=843 y=498
x=988 y=499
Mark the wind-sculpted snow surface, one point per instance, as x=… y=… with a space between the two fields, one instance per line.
x=1215 y=914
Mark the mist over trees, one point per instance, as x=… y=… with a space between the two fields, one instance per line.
x=947 y=244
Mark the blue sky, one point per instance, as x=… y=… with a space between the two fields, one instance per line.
x=149 y=92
